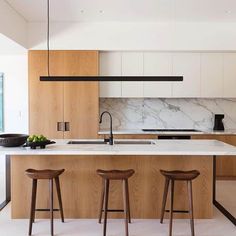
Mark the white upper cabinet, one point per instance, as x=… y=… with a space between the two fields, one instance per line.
x=206 y=75
x=159 y=64
x=110 y=64
x=189 y=66
x=211 y=75
x=132 y=64
x=229 y=89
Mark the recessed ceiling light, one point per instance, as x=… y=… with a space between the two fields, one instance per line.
x=101 y=11
x=228 y=12
x=81 y=11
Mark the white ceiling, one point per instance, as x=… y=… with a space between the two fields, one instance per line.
x=127 y=10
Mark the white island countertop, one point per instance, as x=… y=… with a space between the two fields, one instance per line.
x=158 y=147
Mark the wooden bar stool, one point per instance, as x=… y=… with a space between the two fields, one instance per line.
x=171 y=177
x=50 y=175
x=108 y=175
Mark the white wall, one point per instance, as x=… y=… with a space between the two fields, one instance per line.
x=2 y=179
x=12 y=24
x=134 y=36
x=15 y=69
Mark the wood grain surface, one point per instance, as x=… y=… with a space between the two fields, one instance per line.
x=73 y=102
x=81 y=186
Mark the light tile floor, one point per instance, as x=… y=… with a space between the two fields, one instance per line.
x=219 y=226
x=226 y=195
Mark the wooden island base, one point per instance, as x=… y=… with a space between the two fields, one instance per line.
x=81 y=187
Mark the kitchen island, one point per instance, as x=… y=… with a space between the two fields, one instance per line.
x=81 y=186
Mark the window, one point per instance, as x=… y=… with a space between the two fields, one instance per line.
x=1 y=102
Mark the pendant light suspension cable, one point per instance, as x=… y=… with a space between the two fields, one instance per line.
x=48 y=28
x=99 y=77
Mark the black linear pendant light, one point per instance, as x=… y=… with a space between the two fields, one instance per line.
x=96 y=78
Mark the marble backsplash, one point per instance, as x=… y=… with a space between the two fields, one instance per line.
x=167 y=113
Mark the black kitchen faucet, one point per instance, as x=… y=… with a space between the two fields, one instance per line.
x=110 y=139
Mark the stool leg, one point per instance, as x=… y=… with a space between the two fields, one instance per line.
x=33 y=204
x=51 y=203
x=127 y=194
x=106 y=206
x=101 y=203
x=57 y=181
x=190 y=196
x=125 y=198
x=171 y=206
x=167 y=181
x=36 y=181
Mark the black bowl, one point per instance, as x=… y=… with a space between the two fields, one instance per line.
x=41 y=144
x=12 y=140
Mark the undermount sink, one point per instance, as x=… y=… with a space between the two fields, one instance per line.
x=136 y=142
x=116 y=142
x=87 y=142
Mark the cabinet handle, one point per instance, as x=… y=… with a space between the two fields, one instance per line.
x=67 y=126
x=60 y=126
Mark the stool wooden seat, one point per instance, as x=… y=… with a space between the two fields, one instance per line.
x=43 y=174
x=108 y=175
x=115 y=174
x=172 y=176
x=35 y=175
x=180 y=175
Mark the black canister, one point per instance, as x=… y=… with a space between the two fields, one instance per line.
x=218 y=122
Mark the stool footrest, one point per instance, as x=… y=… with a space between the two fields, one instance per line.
x=46 y=209
x=178 y=211
x=114 y=210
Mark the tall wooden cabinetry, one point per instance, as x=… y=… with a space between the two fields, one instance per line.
x=76 y=103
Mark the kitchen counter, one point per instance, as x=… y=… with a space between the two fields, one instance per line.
x=81 y=185
x=158 y=147
x=139 y=131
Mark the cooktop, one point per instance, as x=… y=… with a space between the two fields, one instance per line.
x=171 y=130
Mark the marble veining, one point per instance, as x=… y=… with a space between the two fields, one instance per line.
x=131 y=113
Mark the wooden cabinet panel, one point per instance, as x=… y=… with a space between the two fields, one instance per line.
x=157 y=64
x=45 y=98
x=212 y=75
x=188 y=65
x=110 y=64
x=81 y=186
x=73 y=102
x=81 y=109
x=132 y=64
x=81 y=99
